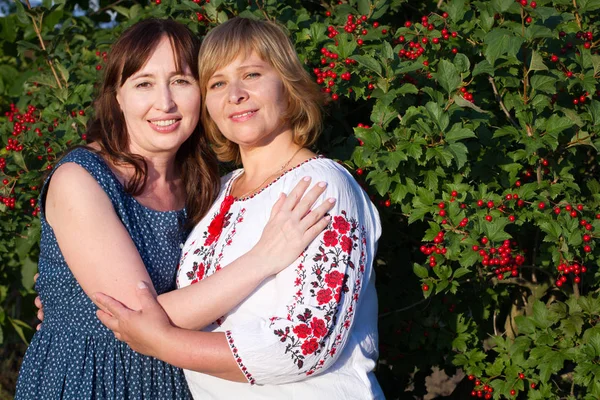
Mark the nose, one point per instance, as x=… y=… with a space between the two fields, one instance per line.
x=237 y=93
x=164 y=99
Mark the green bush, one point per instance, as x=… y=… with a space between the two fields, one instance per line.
x=473 y=125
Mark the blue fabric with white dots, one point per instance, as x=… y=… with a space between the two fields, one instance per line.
x=73 y=356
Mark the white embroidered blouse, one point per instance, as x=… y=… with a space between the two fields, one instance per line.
x=311 y=330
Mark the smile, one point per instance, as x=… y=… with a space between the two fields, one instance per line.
x=166 y=122
x=243 y=116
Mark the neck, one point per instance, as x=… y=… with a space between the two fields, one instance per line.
x=259 y=162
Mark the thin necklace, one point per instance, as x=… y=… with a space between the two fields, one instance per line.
x=278 y=172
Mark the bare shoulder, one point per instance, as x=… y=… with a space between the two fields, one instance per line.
x=72 y=188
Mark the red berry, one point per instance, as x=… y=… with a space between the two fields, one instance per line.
x=587 y=248
x=488 y=218
x=425 y=288
x=541 y=205
x=528 y=20
x=328 y=13
x=513 y=392
x=99 y=67
x=511 y=218
x=521 y=375
x=533 y=4
x=359 y=171
x=533 y=385
x=454 y=193
x=445 y=15
x=484 y=240
x=554 y=58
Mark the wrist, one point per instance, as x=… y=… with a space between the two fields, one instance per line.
x=161 y=347
x=256 y=263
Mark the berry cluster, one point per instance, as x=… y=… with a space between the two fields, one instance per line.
x=503 y=257
x=104 y=56
x=20 y=125
x=481 y=389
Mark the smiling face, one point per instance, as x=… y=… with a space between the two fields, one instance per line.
x=160 y=104
x=246 y=99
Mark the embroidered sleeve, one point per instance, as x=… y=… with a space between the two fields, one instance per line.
x=317 y=301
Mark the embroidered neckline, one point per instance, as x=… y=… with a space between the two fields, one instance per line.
x=239 y=173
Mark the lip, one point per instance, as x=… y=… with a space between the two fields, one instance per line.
x=165 y=129
x=240 y=117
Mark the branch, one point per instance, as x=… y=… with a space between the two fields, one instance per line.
x=38 y=31
x=404 y=309
x=499 y=100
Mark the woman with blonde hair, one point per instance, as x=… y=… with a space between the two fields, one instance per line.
x=311 y=330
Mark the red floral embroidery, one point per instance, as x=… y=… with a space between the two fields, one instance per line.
x=216 y=225
x=302 y=331
x=326 y=282
x=341 y=225
x=318 y=327
x=197 y=273
x=346 y=244
x=238 y=359
x=330 y=238
x=310 y=346
x=334 y=279
x=324 y=296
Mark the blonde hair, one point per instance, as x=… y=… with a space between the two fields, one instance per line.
x=224 y=43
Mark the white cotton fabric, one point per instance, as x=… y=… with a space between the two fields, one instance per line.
x=309 y=332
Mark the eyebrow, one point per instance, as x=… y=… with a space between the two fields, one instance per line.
x=150 y=75
x=241 y=67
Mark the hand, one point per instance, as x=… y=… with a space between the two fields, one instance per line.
x=38 y=303
x=292 y=226
x=142 y=330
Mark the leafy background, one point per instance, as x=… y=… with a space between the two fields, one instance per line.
x=472 y=124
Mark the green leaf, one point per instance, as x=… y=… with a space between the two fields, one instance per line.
x=462 y=63
x=461 y=272
x=439 y=117
x=368 y=62
x=21 y=14
x=364 y=7
x=501 y=42
x=456 y=10
x=459 y=151
x=462 y=102
x=502 y=5
x=124 y=11
x=447 y=75
x=458 y=133
x=543 y=83
x=420 y=271
x=537 y=62
x=556 y=124
x=483 y=67
x=552 y=230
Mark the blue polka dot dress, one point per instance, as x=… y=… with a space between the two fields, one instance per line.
x=73 y=356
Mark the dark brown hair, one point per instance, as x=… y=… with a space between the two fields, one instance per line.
x=194 y=159
x=242 y=36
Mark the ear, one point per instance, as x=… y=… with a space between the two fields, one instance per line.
x=118 y=98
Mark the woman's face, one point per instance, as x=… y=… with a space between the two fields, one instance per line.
x=247 y=100
x=161 y=107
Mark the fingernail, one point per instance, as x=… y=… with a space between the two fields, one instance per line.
x=331 y=200
x=142 y=285
x=322 y=184
x=328 y=218
x=306 y=178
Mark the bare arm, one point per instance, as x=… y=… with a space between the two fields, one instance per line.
x=76 y=208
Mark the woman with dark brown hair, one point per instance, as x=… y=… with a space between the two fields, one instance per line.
x=117 y=211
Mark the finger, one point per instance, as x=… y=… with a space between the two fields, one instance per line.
x=38 y=302
x=38 y=327
x=308 y=200
x=296 y=194
x=147 y=298
x=35 y=277
x=315 y=230
x=278 y=204
x=108 y=320
x=40 y=315
x=317 y=214
x=109 y=305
